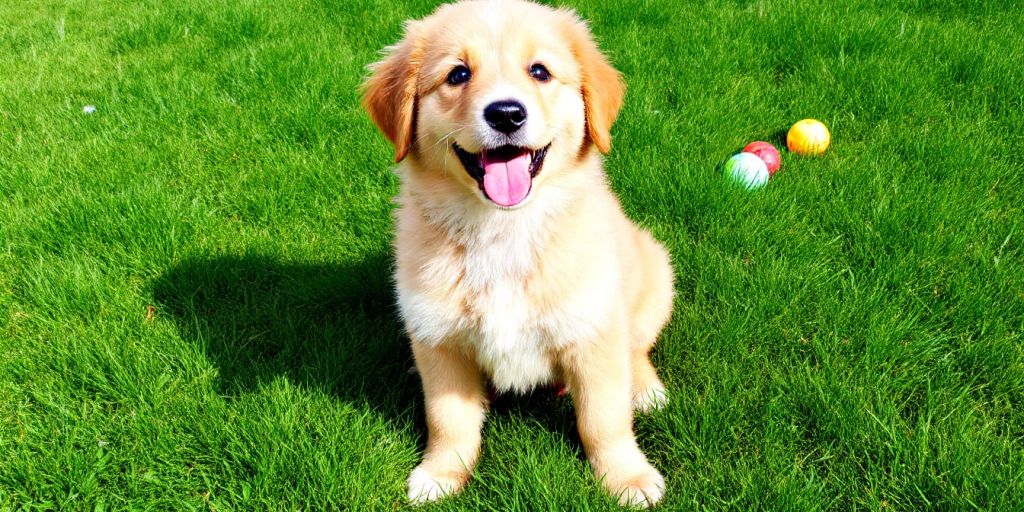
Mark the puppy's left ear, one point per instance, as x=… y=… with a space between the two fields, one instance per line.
x=389 y=94
x=602 y=86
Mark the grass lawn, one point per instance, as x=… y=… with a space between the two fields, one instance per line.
x=195 y=309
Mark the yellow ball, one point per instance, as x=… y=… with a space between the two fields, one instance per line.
x=808 y=137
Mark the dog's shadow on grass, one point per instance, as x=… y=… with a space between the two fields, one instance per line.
x=328 y=327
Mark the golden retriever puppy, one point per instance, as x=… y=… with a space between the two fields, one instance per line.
x=515 y=263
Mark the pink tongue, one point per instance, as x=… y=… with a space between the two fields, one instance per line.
x=507 y=182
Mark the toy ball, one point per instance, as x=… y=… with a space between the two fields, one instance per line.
x=766 y=152
x=808 y=137
x=748 y=170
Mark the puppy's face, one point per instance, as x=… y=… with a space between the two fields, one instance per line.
x=499 y=96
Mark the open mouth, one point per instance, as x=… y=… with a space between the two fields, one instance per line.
x=505 y=174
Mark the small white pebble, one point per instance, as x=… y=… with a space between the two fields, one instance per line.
x=89 y=109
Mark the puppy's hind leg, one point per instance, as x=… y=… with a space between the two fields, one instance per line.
x=455 y=399
x=650 y=312
x=649 y=394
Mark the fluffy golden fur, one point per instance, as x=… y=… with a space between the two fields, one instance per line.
x=558 y=287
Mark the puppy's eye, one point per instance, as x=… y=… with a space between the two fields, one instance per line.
x=459 y=75
x=540 y=73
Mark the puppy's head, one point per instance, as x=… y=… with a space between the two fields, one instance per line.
x=499 y=95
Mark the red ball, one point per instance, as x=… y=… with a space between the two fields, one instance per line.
x=766 y=152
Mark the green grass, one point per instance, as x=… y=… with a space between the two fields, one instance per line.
x=851 y=337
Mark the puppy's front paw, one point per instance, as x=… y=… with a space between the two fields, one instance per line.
x=641 y=489
x=425 y=486
x=650 y=399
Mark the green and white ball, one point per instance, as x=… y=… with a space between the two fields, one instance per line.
x=748 y=170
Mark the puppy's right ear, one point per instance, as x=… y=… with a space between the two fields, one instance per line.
x=389 y=94
x=600 y=84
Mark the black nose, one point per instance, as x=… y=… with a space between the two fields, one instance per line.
x=505 y=116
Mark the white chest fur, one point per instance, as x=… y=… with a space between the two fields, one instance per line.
x=479 y=299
